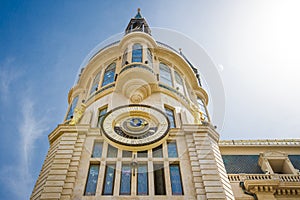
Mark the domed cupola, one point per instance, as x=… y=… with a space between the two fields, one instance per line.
x=138 y=23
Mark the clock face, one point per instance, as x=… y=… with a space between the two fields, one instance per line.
x=135 y=125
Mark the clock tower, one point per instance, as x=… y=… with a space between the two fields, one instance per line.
x=137 y=127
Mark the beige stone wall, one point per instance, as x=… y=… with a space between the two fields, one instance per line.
x=59 y=172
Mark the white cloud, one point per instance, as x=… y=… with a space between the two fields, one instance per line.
x=7 y=76
x=17 y=177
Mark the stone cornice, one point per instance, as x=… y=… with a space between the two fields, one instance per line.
x=201 y=128
x=65 y=128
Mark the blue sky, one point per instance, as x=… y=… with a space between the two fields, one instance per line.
x=43 y=43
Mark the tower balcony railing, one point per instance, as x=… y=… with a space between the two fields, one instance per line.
x=281 y=177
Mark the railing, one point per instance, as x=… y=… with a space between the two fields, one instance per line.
x=289 y=178
x=281 y=177
x=274 y=142
x=137 y=66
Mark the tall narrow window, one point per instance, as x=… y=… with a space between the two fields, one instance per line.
x=157 y=152
x=108 y=186
x=112 y=152
x=125 y=187
x=172 y=149
x=202 y=108
x=137 y=53
x=159 y=180
x=109 y=74
x=97 y=150
x=149 y=57
x=170 y=114
x=72 y=108
x=124 y=59
x=102 y=113
x=179 y=82
x=175 y=179
x=165 y=74
x=91 y=184
x=95 y=83
x=142 y=180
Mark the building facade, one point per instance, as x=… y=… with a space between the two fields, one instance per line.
x=138 y=127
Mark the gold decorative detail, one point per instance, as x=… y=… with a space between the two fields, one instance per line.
x=70 y=95
x=198 y=116
x=78 y=112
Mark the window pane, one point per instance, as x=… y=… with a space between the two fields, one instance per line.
x=112 y=152
x=137 y=53
x=159 y=179
x=72 y=108
x=95 y=83
x=126 y=154
x=179 y=83
x=142 y=180
x=170 y=115
x=109 y=180
x=109 y=74
x=102 y=113
x=125 y=180
x=149 y=57
x=157 y=152
x=176 y=180
x=142 y=154
x=97 y=151
x=165 y=74
x=91 y=183
x=202 y=108
x=172 y=150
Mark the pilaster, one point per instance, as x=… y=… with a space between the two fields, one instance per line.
x=58 y=174
x=209 y=175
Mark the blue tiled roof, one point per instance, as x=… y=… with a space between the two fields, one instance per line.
x=295 y=160
x=236 y=164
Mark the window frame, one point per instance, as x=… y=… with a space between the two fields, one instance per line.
x=106 y=80
x=113 y=179
x=165 y=78
x=137 y=53
x=202 y=107
x=100 y=116
x=88 y=180
x=95 y=83
x=72 y=107
x=124 y=164
x=93 y=151
x=168 y=108
x=172 y=179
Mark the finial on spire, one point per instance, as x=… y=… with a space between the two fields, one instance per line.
x=138 y=15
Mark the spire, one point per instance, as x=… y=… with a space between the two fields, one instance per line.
x=138 y=23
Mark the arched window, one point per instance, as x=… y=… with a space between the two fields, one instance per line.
x=170 y=115
x=137 y=53
x=179 y=83
x=202 y=108
x=109 y=74
x=165 y=74
x=95 y=83
x=124 y=59
x=149 y=57
x=72 y=108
